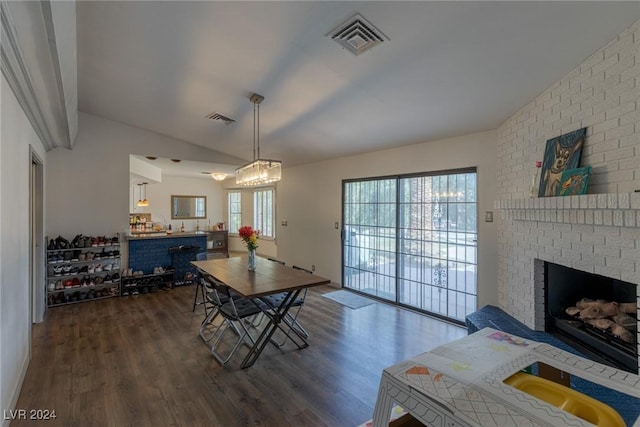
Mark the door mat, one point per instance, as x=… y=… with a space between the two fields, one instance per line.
x=348 y=299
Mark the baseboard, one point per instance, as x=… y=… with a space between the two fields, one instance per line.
x=16 y=391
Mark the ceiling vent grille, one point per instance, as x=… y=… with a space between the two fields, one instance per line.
x=220 y=117
x=357 y=35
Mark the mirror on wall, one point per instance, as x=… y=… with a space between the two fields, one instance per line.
x=188 y=207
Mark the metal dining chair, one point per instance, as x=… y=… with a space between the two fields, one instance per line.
x=200 y=289
x=237 y=313
x=292 y=318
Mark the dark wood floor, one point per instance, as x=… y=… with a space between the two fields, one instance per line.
x=138 y=361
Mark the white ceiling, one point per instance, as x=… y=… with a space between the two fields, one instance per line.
x=184 y=168
x=450 y=68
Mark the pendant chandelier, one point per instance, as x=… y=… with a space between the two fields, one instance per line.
x=142 y=202
x=259 y=171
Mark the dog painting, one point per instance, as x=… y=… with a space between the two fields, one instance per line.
x=561 y=153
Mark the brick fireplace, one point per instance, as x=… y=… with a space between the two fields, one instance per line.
x=598 y=232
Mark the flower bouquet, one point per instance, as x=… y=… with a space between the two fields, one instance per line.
x=250 y=237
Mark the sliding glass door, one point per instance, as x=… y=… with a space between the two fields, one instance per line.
x=369 y=240
x=412 y=240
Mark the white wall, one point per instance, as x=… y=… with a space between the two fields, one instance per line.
x=159 y=196
x=310 y=200
x=17 y=137
x=88 y=187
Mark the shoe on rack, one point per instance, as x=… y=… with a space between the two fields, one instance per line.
x=99 y=280
x=52 y=245
x=51 y=286
x=57 y=270
x=68 y=256
x=135 y=292
x=62 y=242
x=75 y=256
x=98 y=268
x=59 y=285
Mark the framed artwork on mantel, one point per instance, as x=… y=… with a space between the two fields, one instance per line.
x=561 y=153
x=574 y=181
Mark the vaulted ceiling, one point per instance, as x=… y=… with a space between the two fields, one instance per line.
x=447 y=68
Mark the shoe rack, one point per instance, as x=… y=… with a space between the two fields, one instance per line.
x=84 y=269
x=135 y=283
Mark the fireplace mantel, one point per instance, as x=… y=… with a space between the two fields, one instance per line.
x=608 y=209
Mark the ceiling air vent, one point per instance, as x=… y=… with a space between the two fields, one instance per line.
x=357 y=35
x=217 y=116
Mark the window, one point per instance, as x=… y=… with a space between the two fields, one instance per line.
x=235 y=211
x=263 y=218
x=412 y=240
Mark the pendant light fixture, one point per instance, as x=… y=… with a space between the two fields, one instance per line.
x=218 y=176
x=259 y=171
x=142 y=202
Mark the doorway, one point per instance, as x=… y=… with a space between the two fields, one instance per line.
x=412 y=240
x=37 y=286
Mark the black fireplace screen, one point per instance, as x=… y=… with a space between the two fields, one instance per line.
x=595 y=314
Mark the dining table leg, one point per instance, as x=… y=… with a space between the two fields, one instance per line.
x=276 y=316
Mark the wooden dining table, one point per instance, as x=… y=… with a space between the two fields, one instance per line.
x=269 y=278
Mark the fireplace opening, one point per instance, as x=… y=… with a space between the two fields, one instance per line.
x=597 y=315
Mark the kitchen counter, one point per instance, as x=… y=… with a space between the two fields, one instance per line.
x=164 y=235
x=147 y=251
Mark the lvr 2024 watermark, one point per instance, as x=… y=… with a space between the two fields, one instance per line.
x=29 y=414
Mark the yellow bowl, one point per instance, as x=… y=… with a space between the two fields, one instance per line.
x=567 y=399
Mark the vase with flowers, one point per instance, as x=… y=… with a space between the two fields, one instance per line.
x=250 y=238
